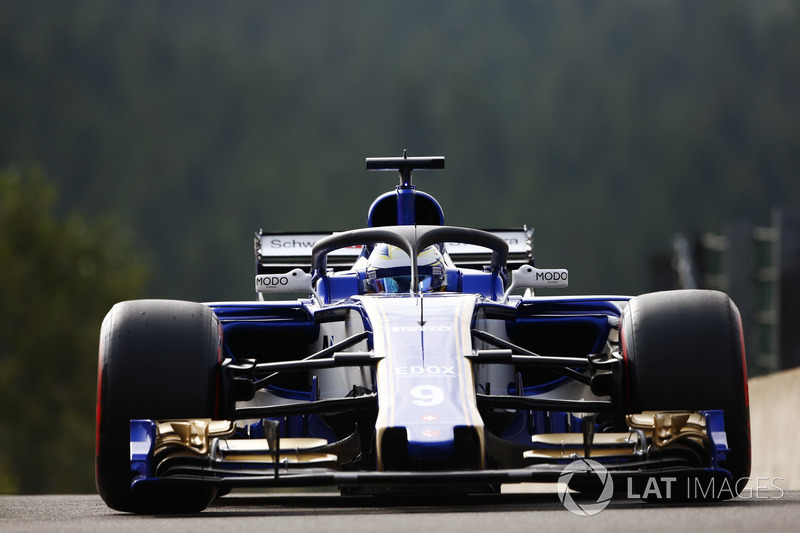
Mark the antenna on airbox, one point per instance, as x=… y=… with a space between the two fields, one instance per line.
x=405 y=190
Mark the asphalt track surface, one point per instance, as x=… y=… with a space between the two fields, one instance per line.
x=329 y=512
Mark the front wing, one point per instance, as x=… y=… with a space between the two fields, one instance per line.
x=660 y=449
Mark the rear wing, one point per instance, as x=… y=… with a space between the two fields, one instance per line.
x=281 y=252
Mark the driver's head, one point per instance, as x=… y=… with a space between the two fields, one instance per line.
x=389 y=270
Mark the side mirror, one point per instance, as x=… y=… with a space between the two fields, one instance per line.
x=529 y=277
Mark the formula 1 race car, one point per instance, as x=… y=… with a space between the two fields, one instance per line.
x=414 y=357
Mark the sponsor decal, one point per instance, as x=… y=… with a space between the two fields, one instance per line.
x=432 y=370
x=552 y=275
x=299 y=244
x=295 y=280
x=293 y=243
x=272 y=281
x=511 y=241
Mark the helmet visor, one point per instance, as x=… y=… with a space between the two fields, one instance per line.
x=398 y=284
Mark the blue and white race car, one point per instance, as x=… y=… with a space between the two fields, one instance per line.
x=410 y=356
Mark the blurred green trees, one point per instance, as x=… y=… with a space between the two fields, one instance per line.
x=606 y=126
x=58 y=278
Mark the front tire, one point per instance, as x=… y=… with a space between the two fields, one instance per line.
x=158 y=360
x=684 y=350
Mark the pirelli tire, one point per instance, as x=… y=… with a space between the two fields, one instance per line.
x=158 y=360
x=684 y=350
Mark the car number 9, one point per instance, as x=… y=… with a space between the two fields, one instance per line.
x=427 y=395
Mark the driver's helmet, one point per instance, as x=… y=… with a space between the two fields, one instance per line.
x=389 y=270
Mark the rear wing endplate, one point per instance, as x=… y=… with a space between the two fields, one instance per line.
x=281 y=252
